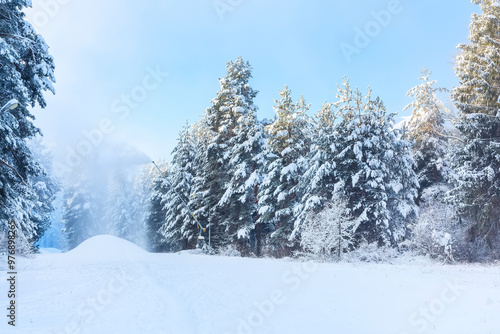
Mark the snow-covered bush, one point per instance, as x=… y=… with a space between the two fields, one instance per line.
x=440 y=233
x=372 y=252
x=435 y=231
x=229 y=251
x=329 y=231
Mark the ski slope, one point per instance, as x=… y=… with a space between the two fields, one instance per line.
x=108 y=285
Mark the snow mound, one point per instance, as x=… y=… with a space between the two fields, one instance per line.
x=108 y=248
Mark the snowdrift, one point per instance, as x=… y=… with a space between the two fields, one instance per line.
x=107 y=248
x=109 y=285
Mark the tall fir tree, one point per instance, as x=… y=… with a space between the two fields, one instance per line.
x=477 y=165
x=426 y=129
x=180 y=228
x=431 y=140
x=477 y=161
x=478 y=64
x=234 y=100
x=287 y=146
x=197 y=201
x=320 y=182
x=239 y=201
x=27 y=71
x=376 y=169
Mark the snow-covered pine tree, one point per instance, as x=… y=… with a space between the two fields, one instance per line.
x=477 y=166
x=26 y=72
x=197 y=200
x=287 y=146
x=403 y=182
x=430 y=138
x=477 y=162
x=239 y=202
x=156 y=216
x=427 y=131
x=319 y=182
x=220 y=125
x=478 y=64
x=375 y=167
x=180 y=228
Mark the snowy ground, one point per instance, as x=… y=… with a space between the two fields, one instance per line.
x=108 y=285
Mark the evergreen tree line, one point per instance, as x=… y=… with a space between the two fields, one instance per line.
x=256 y=185
x=326 y=184
x=346 y=177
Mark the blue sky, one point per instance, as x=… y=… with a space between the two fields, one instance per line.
x=104 y=50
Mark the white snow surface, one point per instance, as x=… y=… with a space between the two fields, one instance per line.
x=108 y=285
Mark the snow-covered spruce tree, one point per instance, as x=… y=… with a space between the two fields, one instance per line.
x=403 y=182
x=239 y=202
x=434 y=230
x=477 y=166
x=478 y=65
x=180 y=228
x=319 y=182
x=156 y=216
x=80 y=214
x=376 y=169
x=197 y=200
x=26 y=71
x=234 y=102
x=329 y=231
x=287 y=146
x=428 y=134
x=477 y=162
